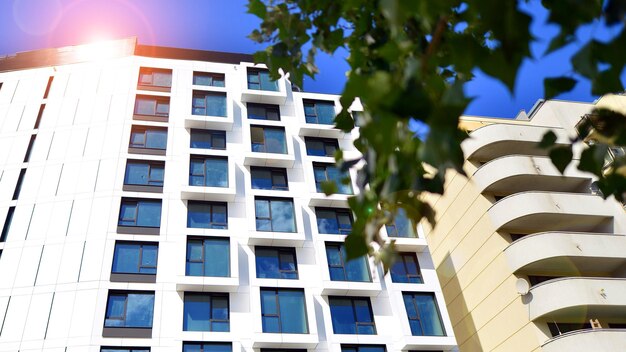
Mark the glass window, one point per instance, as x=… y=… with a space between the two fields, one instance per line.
x=329 y=172
x=148 y=137
x=208 y=256
x=283 y=311
x=129 y=310
x=276 y=263
x=333 y=221
x=343 y=270
x=263 y=112
x=275 y=215
x=207 y=215
x=363 y=348
x=269 y=178
x=319 y=111
x=424 y=318
x=406 y=269
x=207 y=347
x=140 y=212
x=208 y=139
x=352 y=315
x=155 y=77
x=152 y=106
x=260 y=80
x=208 y=171
x=144 y=173
x=206 y=312
x=401 y=225
x=268 y=140
x=208 y=103
x=135 y=258
x=208 y=79
x=321 y=146
x=125 y=349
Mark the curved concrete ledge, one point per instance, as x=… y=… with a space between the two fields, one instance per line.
x=567 y=253
x=588 y=340
x=518 y=173
x=578 y=298
x=529 y=212
x=496 y=140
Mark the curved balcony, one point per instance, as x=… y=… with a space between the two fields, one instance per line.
x=496 y=140
x=529 y=212
x=519 y=173
x=588 y=340
x=578 y=297
x=567 y=253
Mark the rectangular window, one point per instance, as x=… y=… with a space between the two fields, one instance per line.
x=406 y=269
x=333 y=221
x=208 y=139
x=140 y=212
x=208 y=171
x=142 y=137
x=129 y=310
x=259 y=79
x=329 y=172
x=343 y=270
x=352 y=315
x=363 y=348
x=7 y=224
x=144 y=173
x=135 y=258
x=283 y=311
x=155 y=77
x=207 y=215
x=31 y=143
x=42 y=108
x=208 y=79
x=269 y=178
x=263 y=112
x=18 y=185
x=208 y=103
x=319 y=112
x=147 y=105
x=321 y=146
x=207 y=347
x=268 y=140
x=276 y=263
x=274 y=215
x=125 y=349
x=206 y=312
x=401 y=226
x=359 y=118
x=48 y=86
x=557 y=329
x=208 y=256
x=423 y=313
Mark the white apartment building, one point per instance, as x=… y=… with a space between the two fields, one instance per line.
x=160 y=199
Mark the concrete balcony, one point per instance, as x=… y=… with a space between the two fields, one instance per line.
x=319 y=130
x=222 y=194
x=332 y=201
x=519 y=173
x=351 y=288
x=574 y=297
x=280 y=341
x=439 y=343
x=269 y=159
x=493 y=141
x=280 y=239
x=588 y=340
x=567 y=253
x=529 y=212
x=207 y=284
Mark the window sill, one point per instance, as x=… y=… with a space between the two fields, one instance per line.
x=146 y=151
x=127 y=332
x=137 y=230
x=142 y=188
x=154 y=88
x=140 y=278
x=153 y=118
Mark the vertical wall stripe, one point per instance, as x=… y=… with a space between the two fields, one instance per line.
x=49 y=315
x=5 y=315
x=86 y=140
x=29 y=222
x=39 y=116
x=69 y=219
x=59 y=181
x=29 y=149
x=50 y=146
x=20 y=120
x=95 y=184
x=48 y=86
x=39 y=265
x=80 y=268
x=14 y=91
x=75 y=112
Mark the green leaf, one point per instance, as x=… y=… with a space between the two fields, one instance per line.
x=607 y=81
x=329 y=187
x=554 y=86
x=561 y=157
x=356 y=246
x=548 y=140
x=257 y=8
x=592 y=159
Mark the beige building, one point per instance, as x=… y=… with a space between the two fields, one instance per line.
x=530 y=259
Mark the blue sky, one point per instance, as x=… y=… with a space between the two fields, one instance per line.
x=223 y=26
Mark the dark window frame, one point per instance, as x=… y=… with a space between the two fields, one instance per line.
x=337 y=212
x=203 y=344
x=267 y=108
x=279 y=251
x=273 y=170
x=155 y=116
x=338 y=246
x=316 y=118
x=123 y=317
x=357 y=323
x=149 y=72
x=357 y=348
x=151 y=164
x=326 y=142
x=212 y=133
x=277 y=303
x=145 y=130
x=270 y=218
x=253 y=71
x=201 y=240
x=203 y=159
x=137 y=202
x=211 y=204
x=263 y=144
x=139 y=265
x=124 y=348
x=418 y=316
x=325 y=166
x=211 y=296
x=212 y=75
x=402 y=259
x=204 y=94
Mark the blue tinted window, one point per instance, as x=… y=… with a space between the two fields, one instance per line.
x=208 y=171
x=283 y=311
x=144 y=173
x=208 y=139
x=333 y=221
x=208 y=79
x=319 y=112
x=424 y=318
x=148 y=138
x=206 y=312
x=135 y=258
x=268 y=140
x=269 y=178
x=329 y=172
x=207 y=215
x=352 y=315
x=276 y=263
x=206 y=347
x=263 y=112
x=208 y=257
x=209 y=104
x=401 y=225
x=363 y=348
x=275 y=215
x=140 y=213
x=321 y=146
x=343 y=270
x=129 y=310
x=125 y=349
x=260 y=80
x=155 y=77
x=406 y=269
x=152 y=106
